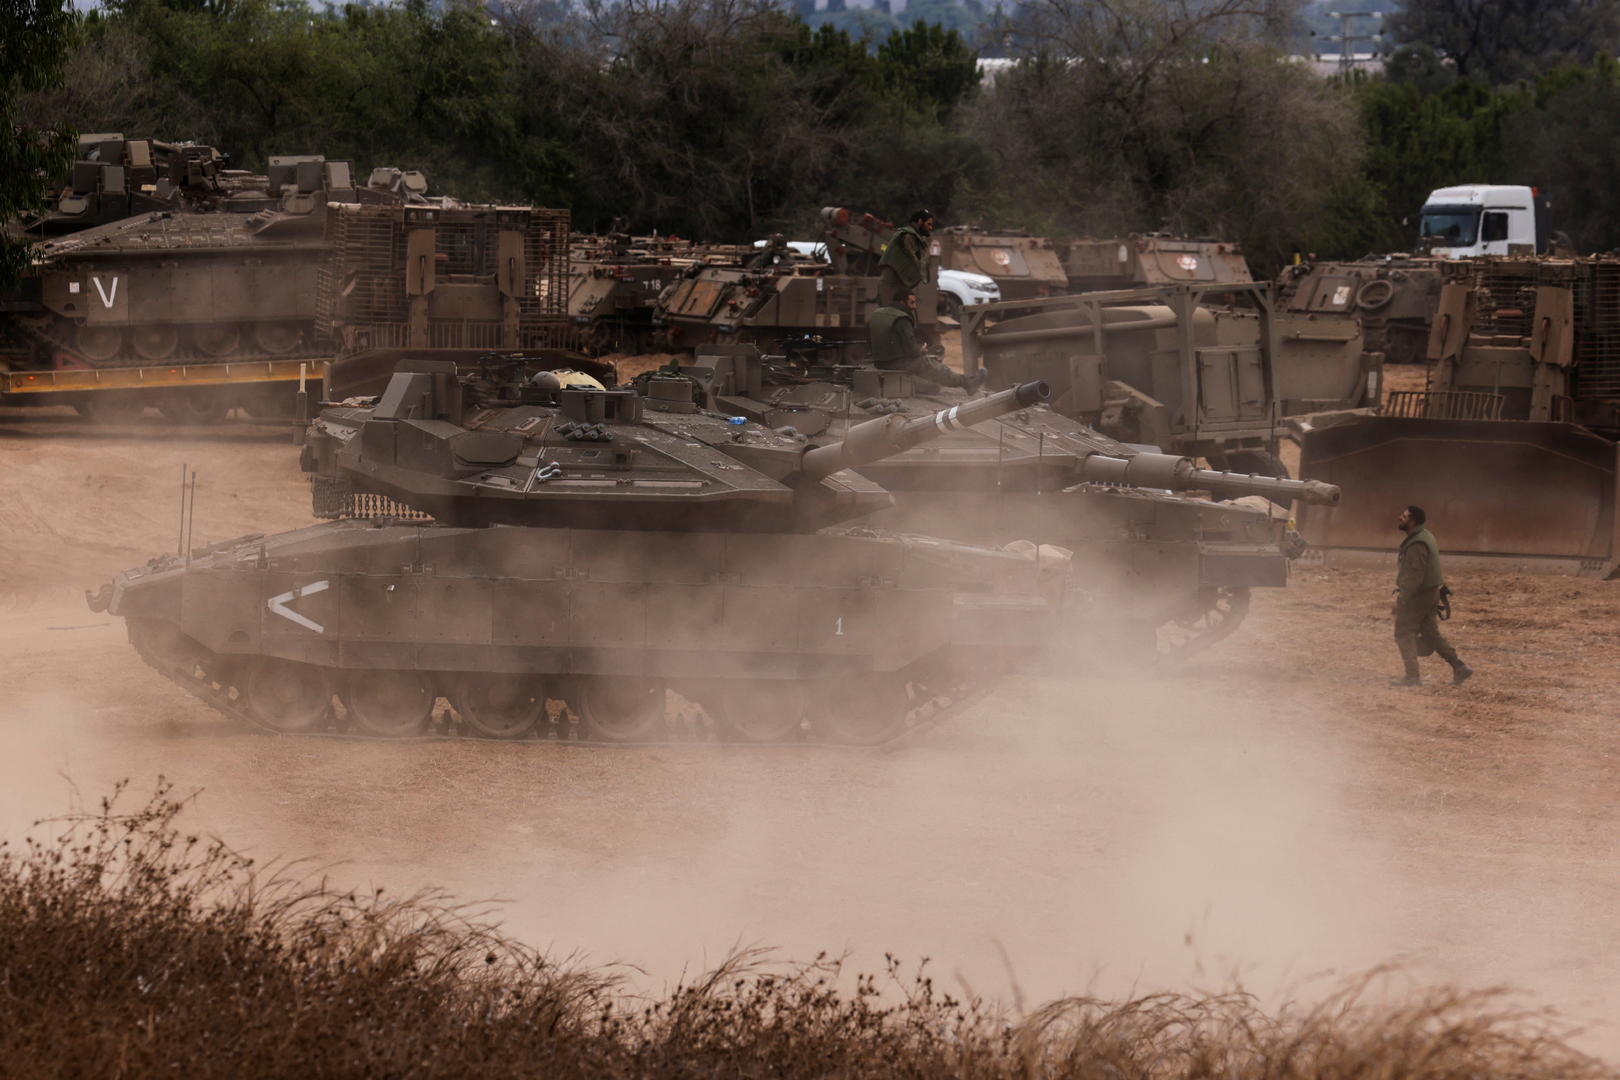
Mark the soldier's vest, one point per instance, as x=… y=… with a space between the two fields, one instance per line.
x=1433 y=579
x=888 y=337
x=903 y=255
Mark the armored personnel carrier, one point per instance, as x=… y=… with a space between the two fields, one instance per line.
x=584 y=550
x=771 y=291
x=1155 y=565
x=201 y=301
x=1022 y=265
x=1393 y=296
x=1151 y=259
x=614 y=283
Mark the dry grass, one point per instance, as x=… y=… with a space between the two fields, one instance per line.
x=134 y=949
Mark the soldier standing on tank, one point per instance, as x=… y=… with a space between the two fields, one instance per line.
x=893 y=333
x=905 y=261
x=1418 y=581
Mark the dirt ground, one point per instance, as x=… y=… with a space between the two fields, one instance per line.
x=1270 y=810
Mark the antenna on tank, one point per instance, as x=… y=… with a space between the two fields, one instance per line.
x=191 y=514
x=188 y=503
x=180 y=535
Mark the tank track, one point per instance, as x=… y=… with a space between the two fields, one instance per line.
x=929 y=712
x=51 y=332
x=1215 y=616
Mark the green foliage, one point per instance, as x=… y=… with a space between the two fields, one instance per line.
x=35 y=39
x=1502 y=41
x=729 y=119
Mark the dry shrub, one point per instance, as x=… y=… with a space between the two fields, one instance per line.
x=132 y=948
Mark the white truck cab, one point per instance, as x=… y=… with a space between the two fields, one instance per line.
x=1484 y=219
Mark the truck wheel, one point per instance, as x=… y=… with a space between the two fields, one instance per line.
x=194 y=407
x=111 y=407
x=950 y=308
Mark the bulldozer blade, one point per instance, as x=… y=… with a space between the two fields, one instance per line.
x=1490 y=487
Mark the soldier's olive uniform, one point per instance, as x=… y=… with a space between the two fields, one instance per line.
x=1417 y=582
x=895 y=347
x=903 y=267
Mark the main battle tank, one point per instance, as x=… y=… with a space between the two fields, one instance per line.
x=584 y=550
x=1163 y=565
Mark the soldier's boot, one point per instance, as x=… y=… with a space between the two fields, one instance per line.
x=1460 y=672
x=1406 y=680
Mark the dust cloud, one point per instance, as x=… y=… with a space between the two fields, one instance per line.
x=1260 y=814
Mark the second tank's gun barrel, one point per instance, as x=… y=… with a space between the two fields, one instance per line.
x=889 y=435
x=1180 y=474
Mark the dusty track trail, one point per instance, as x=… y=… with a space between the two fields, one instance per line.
x=1271 y=809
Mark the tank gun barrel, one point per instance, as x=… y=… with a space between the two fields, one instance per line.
x=889 y=435
x=1180 y=474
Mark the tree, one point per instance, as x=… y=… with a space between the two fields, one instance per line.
x=35 y=39
x=1188 y=117
x=1502 y=41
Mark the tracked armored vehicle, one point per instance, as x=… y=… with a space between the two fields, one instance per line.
x=764 y=293
x=200 y=297
x=1394 y=297
x=1206 y=370
x=1157 y=566
x=505 y=538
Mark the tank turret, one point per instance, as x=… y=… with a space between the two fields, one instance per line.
x=501 y=444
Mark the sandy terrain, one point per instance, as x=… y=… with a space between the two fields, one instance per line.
x=1271 y=809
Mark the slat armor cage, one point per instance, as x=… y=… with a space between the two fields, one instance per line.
x=1506 y=309
x=486 y=277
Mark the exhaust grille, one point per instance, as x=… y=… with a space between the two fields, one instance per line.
x=1444 y=405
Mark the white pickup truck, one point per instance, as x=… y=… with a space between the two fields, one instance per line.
x=1484 y=219
x=957 y=288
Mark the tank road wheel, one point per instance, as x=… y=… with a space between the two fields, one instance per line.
x=621 y=710
x=100 y=343
x=217 y=339
x=758 y=710
x=500 y=706
x=861 y=710
x=193 y=407
x=288 y=697
x=1211 y=616
x=277 y=338
x=155 y=341
x=390 y=704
